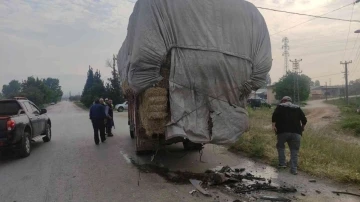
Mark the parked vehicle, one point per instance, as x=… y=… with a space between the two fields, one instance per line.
x=122 y=107
x=21 y=121
x=258 y=102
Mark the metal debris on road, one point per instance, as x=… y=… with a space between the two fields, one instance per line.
x=197 y=185
x=192 y=192
x=274 y=198
x=344 y=192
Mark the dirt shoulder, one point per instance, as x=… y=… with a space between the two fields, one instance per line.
x=320 y=114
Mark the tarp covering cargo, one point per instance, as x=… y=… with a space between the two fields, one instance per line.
x=219 y=51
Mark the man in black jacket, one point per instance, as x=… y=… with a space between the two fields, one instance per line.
x=288 y=122
x=97 y=116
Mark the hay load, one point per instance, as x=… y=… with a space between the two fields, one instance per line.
x=154 y=110
x=192 y=68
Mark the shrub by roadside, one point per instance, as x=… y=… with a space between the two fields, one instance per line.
x=350 y=119
x=320 y=154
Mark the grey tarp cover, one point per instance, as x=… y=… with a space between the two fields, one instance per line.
x=220 y=51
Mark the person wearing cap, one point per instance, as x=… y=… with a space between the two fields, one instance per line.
x=288 y=122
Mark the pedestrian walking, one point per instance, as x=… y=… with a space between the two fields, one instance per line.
x=109 y=117
x=288 y=122
x=97 y=116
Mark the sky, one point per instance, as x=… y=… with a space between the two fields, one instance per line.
x=61 y=38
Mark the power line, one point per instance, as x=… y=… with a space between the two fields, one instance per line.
x=347 y=38
x=308 y=15
x=314 y=17
x=325 y=75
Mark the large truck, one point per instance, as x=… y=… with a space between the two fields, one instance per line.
x=187 y=68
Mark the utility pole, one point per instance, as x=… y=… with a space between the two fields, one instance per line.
x=326 y=91
x=346 y=80
x=296 y=69
x=286 y=53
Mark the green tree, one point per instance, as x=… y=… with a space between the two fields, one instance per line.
x=86 y=97
x=1 y=96
x=94 y=87
x=12 y=89
x=285 y=87
x=354 y=87
x=55 y=89
x=317 y=83
x=113 y=88
x=35 y=90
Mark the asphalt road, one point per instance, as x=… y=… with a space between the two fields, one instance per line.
x=72 y=168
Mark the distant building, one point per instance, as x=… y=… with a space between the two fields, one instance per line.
x=320 y=92
x=261 y=93
x=271 y=95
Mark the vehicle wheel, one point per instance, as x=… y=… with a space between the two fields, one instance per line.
x=188 y=145
x=120 y=109
x=132 y=134
x=25 y=145
x=47 y=138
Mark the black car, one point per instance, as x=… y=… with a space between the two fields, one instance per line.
x=20 y=122
x=258 y=102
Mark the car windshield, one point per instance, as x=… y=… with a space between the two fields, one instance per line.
x=9 y=108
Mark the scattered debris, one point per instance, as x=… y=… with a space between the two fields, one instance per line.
x=274 y=198
x=232 y=179
x=192 y=192
x=312 y=180
x=197 y=185
x=344 y=192
x=317 y=191
x=302 y=194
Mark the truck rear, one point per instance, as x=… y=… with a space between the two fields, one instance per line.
x=187 y=68
x=11 y=122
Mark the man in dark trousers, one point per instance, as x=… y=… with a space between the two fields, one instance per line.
x=97 y=116
x=288 y=122
x=109 y=117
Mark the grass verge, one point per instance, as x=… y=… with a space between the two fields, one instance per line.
x=350 y=119
x=320 y=154
x=81 y=105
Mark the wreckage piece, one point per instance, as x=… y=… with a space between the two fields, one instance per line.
x=243 y=189
x=197 y=185
x=347 y=193
x=275 y=198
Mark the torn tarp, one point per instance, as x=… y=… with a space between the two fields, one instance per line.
x=219 y=51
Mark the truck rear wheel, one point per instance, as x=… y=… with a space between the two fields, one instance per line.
x=132 y=133
x=191 y=146
x=25 y=147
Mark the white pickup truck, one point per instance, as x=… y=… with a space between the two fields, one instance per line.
x=122 y=107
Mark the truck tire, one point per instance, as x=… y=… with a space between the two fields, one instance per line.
x=191 y=146
x=47 y=137
x=25 y=147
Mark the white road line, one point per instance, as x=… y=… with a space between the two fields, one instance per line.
x=126 y=157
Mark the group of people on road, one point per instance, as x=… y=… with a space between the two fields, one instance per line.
x=102 y=118
x=288 y=122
